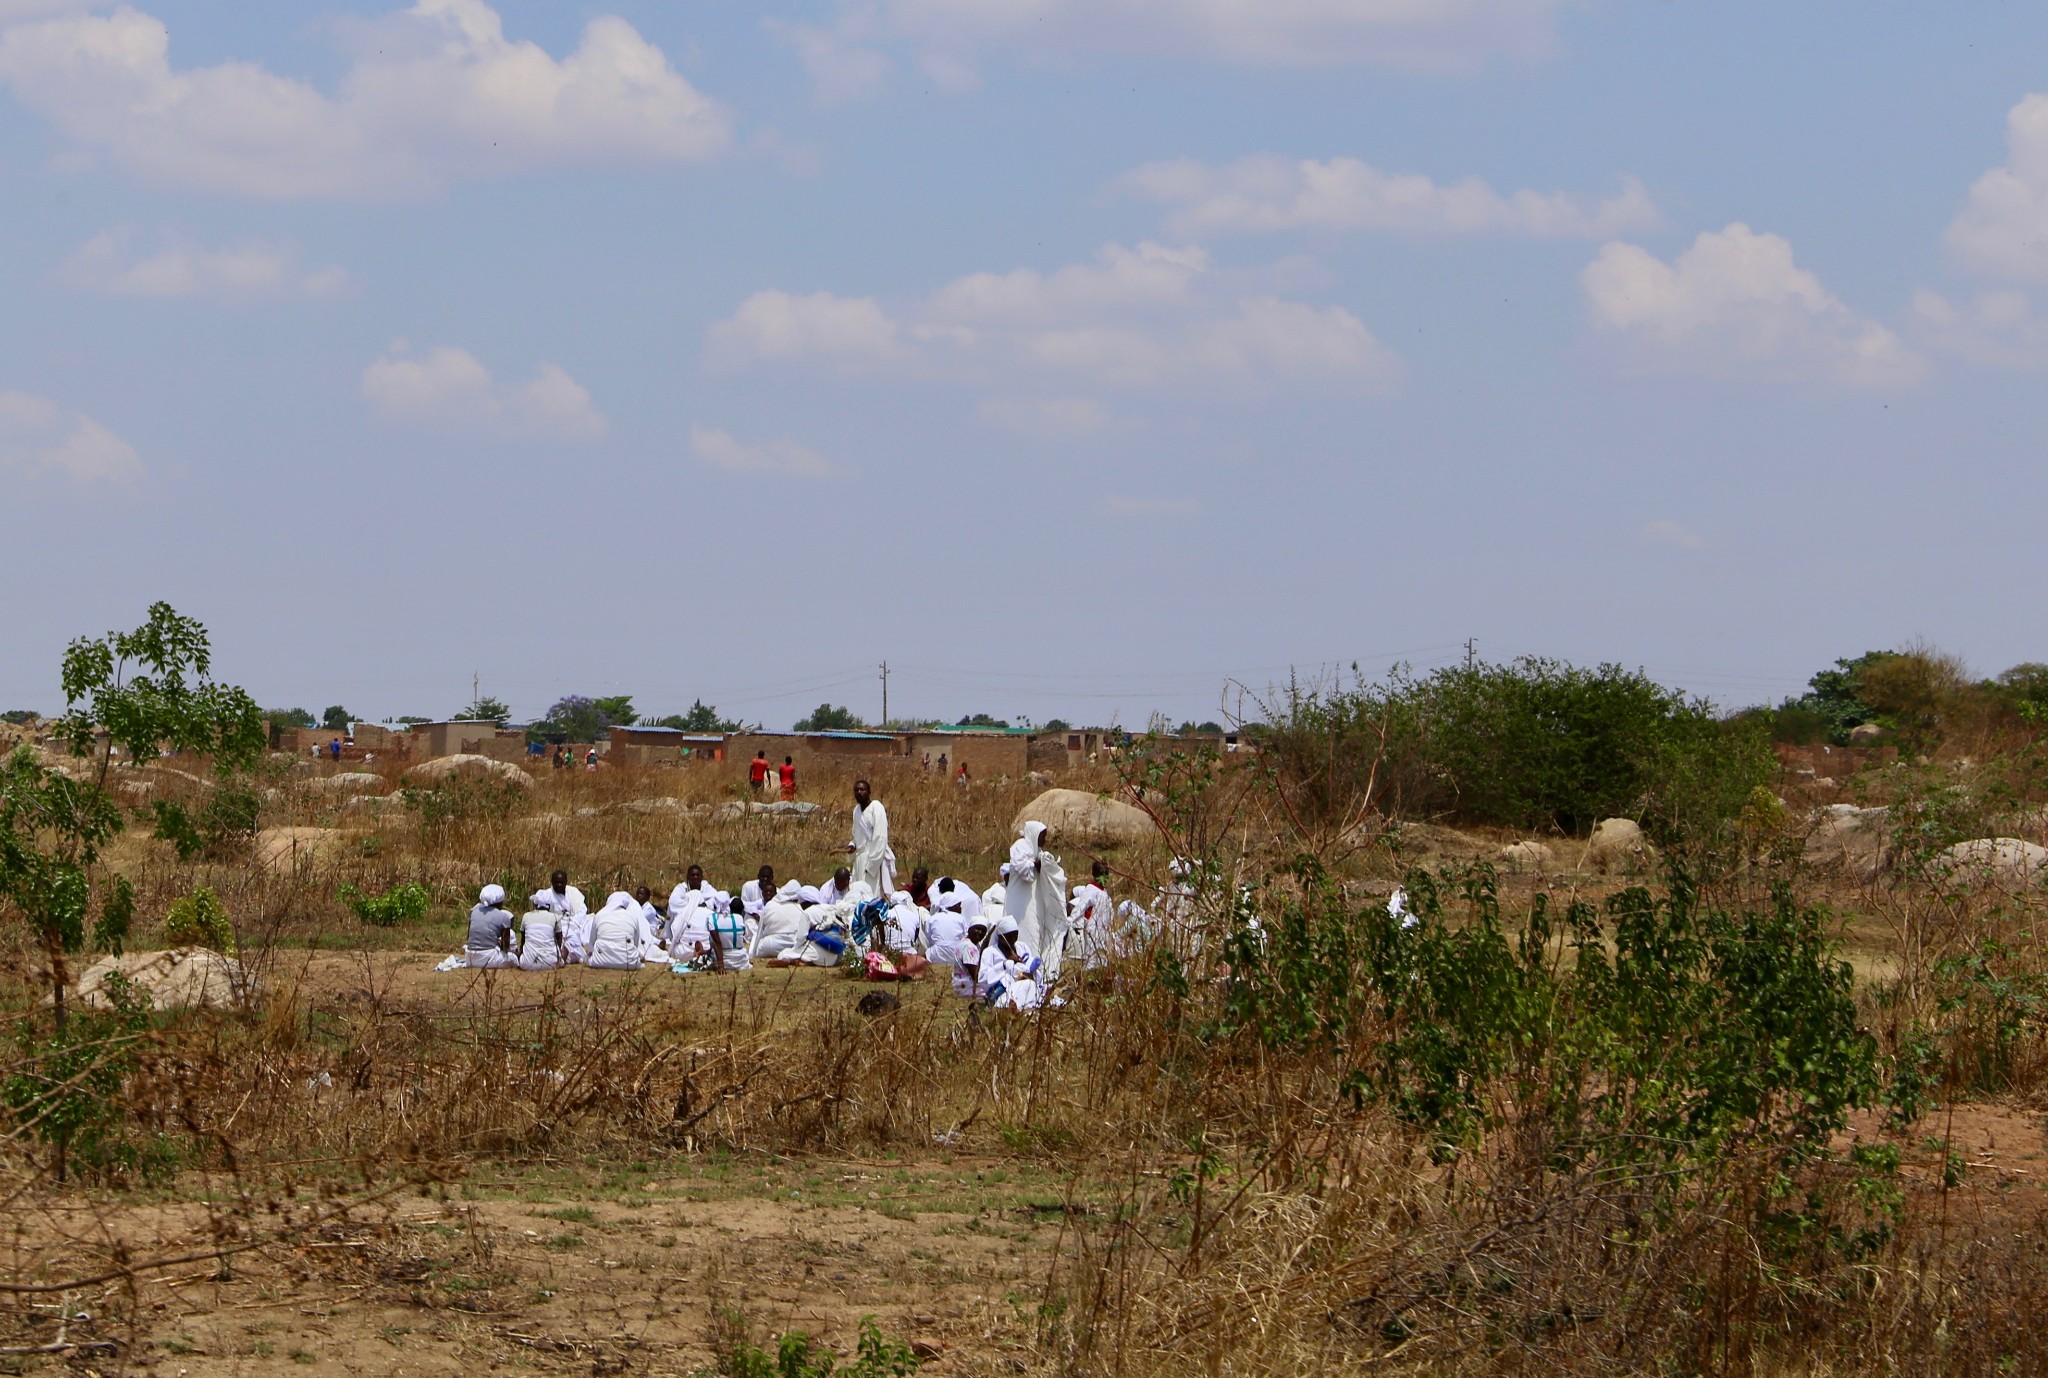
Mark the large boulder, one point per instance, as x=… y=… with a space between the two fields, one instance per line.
x=1088 y=817
x=1616 y=845
x=447 y=767
x=1853 y=841
x=1525 y=856
x=179 y=978
x=1866 y=734
x=2003 y=860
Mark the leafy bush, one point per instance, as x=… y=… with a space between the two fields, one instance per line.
x=1533 y=744
x=828 y=717
x=117 y=916
x=223 y=826
x=200 y=920
x=400 y=904
x=1666 y=1035
x=797 y=1357
x=65 y=1089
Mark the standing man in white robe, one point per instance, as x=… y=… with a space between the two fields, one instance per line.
x=1036 y=897
x=873 y=862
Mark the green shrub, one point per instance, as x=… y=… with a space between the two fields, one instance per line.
x=796 y=1356
x=200 y=920
x=400 y=904
x=223 y=826
x=1533 y=744
x=117 y=916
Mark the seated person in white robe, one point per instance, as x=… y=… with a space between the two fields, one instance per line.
x=1008 y=977
x=903 y=930
x=565 y=901
x=992 y=898
x=945 y=931
x=654 y=947
x=826 y=938
x=490 y=931
x=694 y=890
x=837 y=888
x=540 y=941
x=618 y=933
x=729 y=930
x=758 y=893
x=965 y=900
x=1091 y=917
x=967 y=971
x=782 y=924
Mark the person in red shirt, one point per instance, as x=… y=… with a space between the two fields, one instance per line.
x=757 y=773
x=787 y=770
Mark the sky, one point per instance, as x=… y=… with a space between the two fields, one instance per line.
x=1077 y=358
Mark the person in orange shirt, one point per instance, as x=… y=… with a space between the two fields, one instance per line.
x=757 y=773
x=787 y=771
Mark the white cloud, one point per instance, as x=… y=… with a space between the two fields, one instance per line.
x=37 y=436
x=451 y=385
x=779 y=325
x=840 y=66
x=1996 y=328
x=1736 y=302
x=1672 y=534
x=1132 y=318
x=110 y=264
x=2003 y=228
x=1271 y=193
x=437 y=92
x=1428 y=34
x=770 y=457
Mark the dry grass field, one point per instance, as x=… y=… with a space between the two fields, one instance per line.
x=374 y=1168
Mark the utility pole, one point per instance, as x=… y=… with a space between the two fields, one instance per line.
x=1471 y=648
x=885 y=693
x=476 y=685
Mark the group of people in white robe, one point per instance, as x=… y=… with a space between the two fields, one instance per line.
x=1006 y=945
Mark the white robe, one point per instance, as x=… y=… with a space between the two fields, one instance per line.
x=575 y=919
x=945 y=937
x=1037 y=898
x=617 y=935
x=992 y=899
x=1007 y=983
x=873 y=862
x=751 y=898
x=783 y=924
x=968 y=902
x=905 y=929
x=734 y=939
x=539 y=949
x=1093 y=918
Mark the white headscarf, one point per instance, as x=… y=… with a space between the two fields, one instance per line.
x=790 y=893
x=620 y=901
x=492 y=896
x=810 y=894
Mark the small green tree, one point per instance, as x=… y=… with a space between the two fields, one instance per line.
x=287 y=717
x=702 y=717
x=139 y=691
x=617 y=710
x=487 y=709
x=336 y=718
x=830 y=718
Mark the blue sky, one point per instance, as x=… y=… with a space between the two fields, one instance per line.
x=1074 y=356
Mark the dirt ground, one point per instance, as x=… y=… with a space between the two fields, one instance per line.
x=578 y=1268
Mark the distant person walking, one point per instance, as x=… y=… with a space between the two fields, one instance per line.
x=787 y=772
x=873 y=862
x=334 y=748
x=757 y=773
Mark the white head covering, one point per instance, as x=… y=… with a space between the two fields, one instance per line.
x=1179 y=867
x=619 y=900
x=720 y=902
x=492 y=895
x=790 y=893
x=947 y=899
x=860 y=892
x=1005 y=924
x=811 y=894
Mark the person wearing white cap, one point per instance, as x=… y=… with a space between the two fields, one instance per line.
x=1037 y=896
x=992 y=898
x=945 y=931
x=782 y=923
x=1010 y=971
x=948 y=893
x=490 y=931
x=618 y=934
